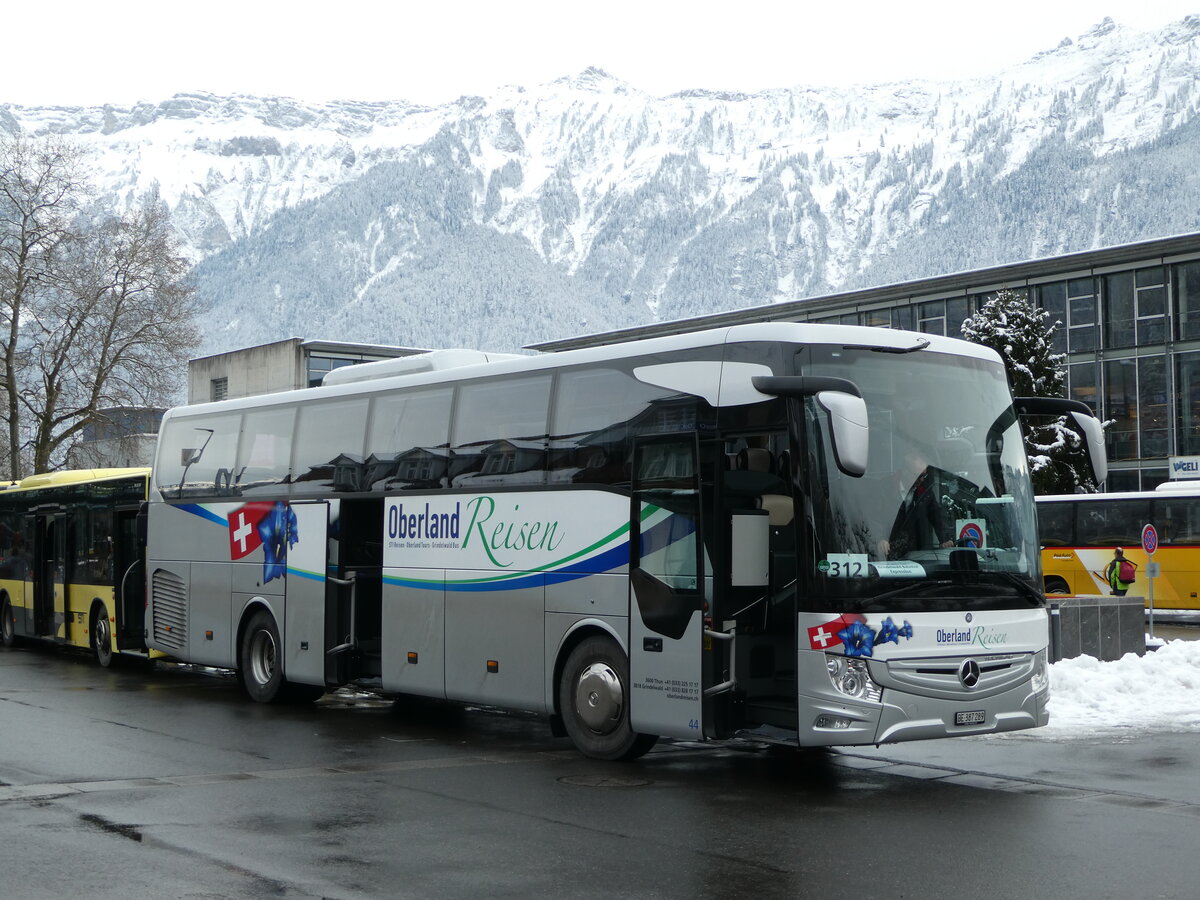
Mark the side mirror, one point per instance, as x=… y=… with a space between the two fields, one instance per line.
x=845 y=411
x=1085 y=421
x=1093 y=431
x=847 y=415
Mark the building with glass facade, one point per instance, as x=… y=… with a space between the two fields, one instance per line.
x=1130 y=327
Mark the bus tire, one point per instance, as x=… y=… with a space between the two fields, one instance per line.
x=8 y=623
x=260 y=659
x=1056 y=585
x=100 y=633
x=593 y=699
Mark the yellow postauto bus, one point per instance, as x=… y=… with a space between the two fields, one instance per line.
x=1079 y=533
x=71 y=564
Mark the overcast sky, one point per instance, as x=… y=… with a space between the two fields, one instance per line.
x=122 y=51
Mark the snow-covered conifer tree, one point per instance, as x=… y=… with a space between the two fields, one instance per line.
x=1023 y=336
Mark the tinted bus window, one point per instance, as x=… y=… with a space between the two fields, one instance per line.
x=1115 y=523
x=408 y=440
x=1056 y=524
x=1177 y=520
x=595 y=411
x=329 y=447
x=193 y=452
x=265 y=450
x=95 y=535
x=500 y=432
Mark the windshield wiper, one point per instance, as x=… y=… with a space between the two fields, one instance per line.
x=921 y=344
x=911 y=589
x=1024 y=588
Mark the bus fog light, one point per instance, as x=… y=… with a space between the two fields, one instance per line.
x=836 y=723
x=1040 y=680
x=850 y=677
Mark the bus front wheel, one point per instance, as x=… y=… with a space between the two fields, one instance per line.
x=8 y=623
x=593 y=699
x=260 y=660
x=101 y=636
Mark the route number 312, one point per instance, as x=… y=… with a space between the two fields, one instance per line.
x=845 y=565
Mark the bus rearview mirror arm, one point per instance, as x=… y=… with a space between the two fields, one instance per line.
x=1085 y=421
x=845 y=411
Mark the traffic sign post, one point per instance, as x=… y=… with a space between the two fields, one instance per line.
x=1150 y=544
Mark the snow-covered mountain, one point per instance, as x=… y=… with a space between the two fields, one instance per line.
x=586 y=204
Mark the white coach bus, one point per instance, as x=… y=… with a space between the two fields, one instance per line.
x=812 y=535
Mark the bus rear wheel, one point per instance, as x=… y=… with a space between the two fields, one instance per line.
x=260 y=662
x=593 y=699
x=101 y=636
x=8 y=623
x=260 y=665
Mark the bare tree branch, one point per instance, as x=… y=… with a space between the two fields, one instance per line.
x=97 y=312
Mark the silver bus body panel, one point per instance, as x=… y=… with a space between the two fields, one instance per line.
x=414 y=621
x=475 y=635
x=302 y=628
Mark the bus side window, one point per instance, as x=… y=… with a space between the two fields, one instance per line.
x=1056 y=525
x=408 y=440
x=329 y=447
x=499 y=435
x=595 y=409
x=264 y=459
x=192 y=453
x=1177 y=520
x=1112 y=524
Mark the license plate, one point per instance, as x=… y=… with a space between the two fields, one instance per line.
x=970 y=717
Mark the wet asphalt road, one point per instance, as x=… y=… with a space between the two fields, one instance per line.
x=167 y=783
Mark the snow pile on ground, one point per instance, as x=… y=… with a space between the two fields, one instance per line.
x=1159 y=692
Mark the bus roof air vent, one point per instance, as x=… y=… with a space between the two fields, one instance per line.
x=434 y=360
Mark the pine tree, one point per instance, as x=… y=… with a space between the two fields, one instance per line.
x=1023 y=336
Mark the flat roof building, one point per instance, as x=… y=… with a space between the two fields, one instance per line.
x=280 y=366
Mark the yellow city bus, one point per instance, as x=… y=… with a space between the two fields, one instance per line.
x=71 y=563
x=1079 y=533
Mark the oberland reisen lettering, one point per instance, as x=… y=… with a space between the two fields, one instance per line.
x=425 y=524
x=980 y=636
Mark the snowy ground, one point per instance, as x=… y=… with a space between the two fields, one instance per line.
x=1156 y=692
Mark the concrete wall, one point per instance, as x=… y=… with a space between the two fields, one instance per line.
x=1104 y=627
x=256 y=370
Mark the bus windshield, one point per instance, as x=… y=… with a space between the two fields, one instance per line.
x=943 y=517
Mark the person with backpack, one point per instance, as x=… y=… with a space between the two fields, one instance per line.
x=1121 y=573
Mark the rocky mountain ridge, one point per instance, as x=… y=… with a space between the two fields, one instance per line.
x=586 y=204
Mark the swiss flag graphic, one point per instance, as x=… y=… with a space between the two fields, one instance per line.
x=823 y=637
x=243 y=528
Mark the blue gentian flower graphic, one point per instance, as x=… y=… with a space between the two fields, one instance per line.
x=278 y=531
x=858 y=639
x=888 y=632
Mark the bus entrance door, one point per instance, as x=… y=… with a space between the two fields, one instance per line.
x=130 y=575
x=666 y=623
x=304 y=633
x=49 y=573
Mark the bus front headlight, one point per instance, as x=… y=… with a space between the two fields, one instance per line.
x=850 y=677
x=1040 y=680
